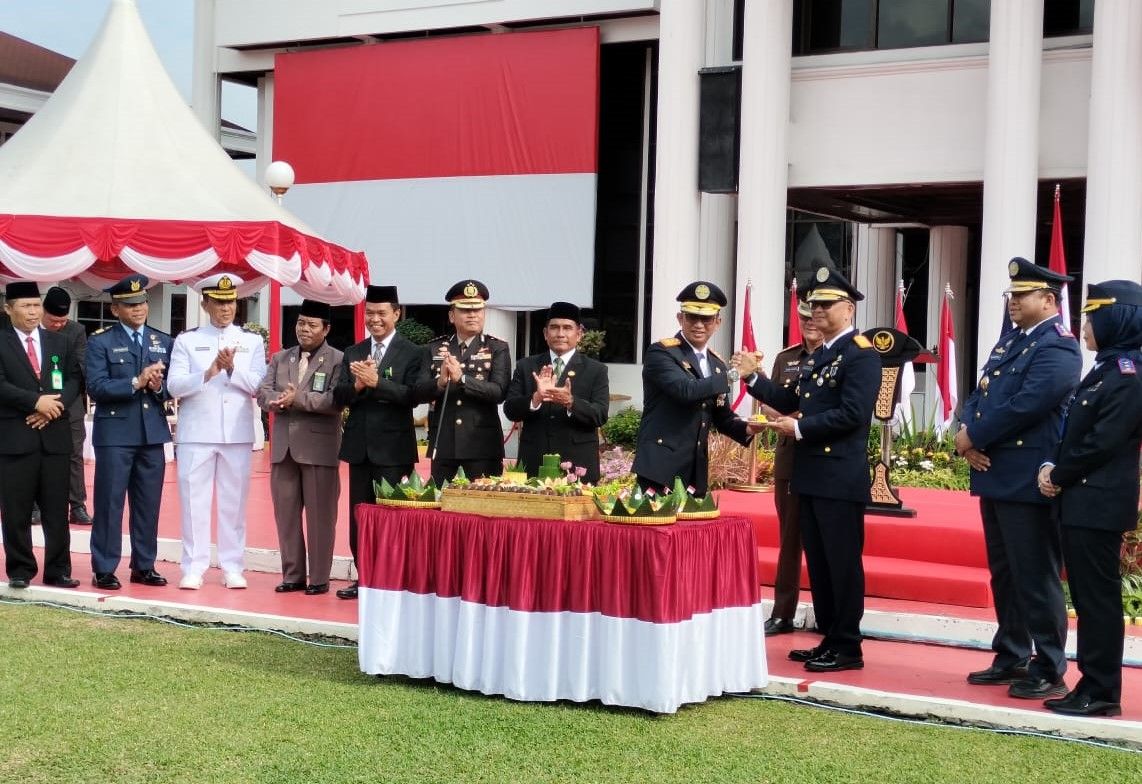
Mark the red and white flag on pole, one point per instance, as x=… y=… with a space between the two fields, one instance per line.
x=946 y=379
x=1058 y=260
x=907 y=374
x=794 y=317
x=749 y=343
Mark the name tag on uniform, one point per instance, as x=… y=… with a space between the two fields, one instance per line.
x=157 y=350
x=56 y=374
x=120 y=350
x=319 y=381
x=202 y=348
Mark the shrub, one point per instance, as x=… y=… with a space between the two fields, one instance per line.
x=622 y=428
x=415 y=332
x=592 y=342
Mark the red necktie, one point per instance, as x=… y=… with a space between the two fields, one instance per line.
x=33 y=357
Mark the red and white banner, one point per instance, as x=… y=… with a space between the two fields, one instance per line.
x=451 y=157
x=946 y=379
x=1058 y=259
x=907 y=373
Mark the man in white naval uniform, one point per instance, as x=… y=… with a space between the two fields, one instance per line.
x=215 y=371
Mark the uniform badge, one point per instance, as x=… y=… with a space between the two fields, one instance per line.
x=702 y=291
x=1126 y=366
x=822 y=274
x=319 y=381
x=1063 y=331
x=1012 y=269
x=470 y=289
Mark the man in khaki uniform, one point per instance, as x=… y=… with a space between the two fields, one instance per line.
x=306 y=437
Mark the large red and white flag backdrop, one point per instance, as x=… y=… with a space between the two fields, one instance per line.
x=470 y=156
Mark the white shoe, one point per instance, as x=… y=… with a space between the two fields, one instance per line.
x=190 y=583
x=234 y=580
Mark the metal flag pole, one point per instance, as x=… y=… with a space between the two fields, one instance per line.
x=440 y=417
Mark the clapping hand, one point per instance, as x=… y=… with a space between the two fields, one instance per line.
x=364 y=373
x=561 y=395
x=285 y=399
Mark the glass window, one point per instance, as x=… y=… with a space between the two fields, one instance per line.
x=829 y=25
x=1068 y=17
x=971 y=21
x=903 y=23
x=93 y=314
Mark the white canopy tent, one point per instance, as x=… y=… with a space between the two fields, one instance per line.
x=115 y=174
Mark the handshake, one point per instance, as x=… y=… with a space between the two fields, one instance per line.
x=746 y=362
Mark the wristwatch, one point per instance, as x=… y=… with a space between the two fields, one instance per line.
x=733 y=374
x=135 y=383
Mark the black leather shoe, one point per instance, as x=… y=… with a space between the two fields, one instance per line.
x=315 y=590
x=289 y=587
x=778 y=626
x=348 y=593
x=61 y=582
x=107 y=581
x=994 y=676
x=148 y=577
x=79 y=516
x=805 y=654
x=831 y=661
x=1037 y=689
x=1077 y=704
x=17 y=582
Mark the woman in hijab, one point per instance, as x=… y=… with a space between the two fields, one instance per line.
x=1095 y=476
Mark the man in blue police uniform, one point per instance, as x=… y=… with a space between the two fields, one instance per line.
x=1010 y=424
x=834 y=395
x=1094 y=476
x=126 y=377
x=686 y=392
x=465 y=378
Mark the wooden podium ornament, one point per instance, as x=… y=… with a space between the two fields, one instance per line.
x=895 y=348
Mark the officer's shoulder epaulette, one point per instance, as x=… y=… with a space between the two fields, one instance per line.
x=1063 y=331
x=494 y=339
x=192 y=329
x=158 y=331
x=861 y=341
x=100 y=331
x=790 y=347
x=716 y=354
x=670 y=342
x=441 y=338
x=1126 y=366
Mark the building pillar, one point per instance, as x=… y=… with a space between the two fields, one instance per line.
x=718 y=211
x=677 y=205
x=763 y=175
x=1011 y=154
x=874 y=275
x=1113 y=240
x=206 y=87
x=947 y=266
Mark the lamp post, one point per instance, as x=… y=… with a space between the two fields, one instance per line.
x=279 y=178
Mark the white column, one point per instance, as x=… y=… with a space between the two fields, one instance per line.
x=677 y=206
x=1112 y=248
x=947 y=266
x=763 y=173
x=264 y=144
x=205 y=87
x=1011 y=153
x=874 y=275
x=716 y=236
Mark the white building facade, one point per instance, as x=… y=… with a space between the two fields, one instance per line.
x=914 y=140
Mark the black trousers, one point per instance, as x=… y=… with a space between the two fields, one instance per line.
x=41 y=479
x=1024 y=554
x=77 y=488
x=443 y=470
x=787 y=582
x=131 y=476
x=361 y=478
x=832 y=533
x=1091 y=556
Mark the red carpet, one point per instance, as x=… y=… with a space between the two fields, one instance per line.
x=937 y=556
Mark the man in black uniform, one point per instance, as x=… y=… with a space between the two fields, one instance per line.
x=1094 y=475
x=1010 y=424
x=561 y=397
x=835 y=395
x=465 y=378
x=377 y=385
x=57 y=306
x=685 y=393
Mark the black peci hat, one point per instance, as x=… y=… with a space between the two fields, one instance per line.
x=311 y=308
x=376 y=294
x=563 y=310
x=57 y=301
x=21 y=289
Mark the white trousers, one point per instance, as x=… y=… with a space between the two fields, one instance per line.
x=202 y=468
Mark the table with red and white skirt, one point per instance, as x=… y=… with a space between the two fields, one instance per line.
x=651 y=617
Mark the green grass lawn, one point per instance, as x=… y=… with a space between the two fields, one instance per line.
x=97 y=699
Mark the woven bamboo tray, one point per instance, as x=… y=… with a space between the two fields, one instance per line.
x=636 y=520
x=495 y=503
x=711 y=514
x=408 y=504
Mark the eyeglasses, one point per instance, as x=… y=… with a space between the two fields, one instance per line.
x=698 y=317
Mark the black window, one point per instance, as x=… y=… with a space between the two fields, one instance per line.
x=1068 y=17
